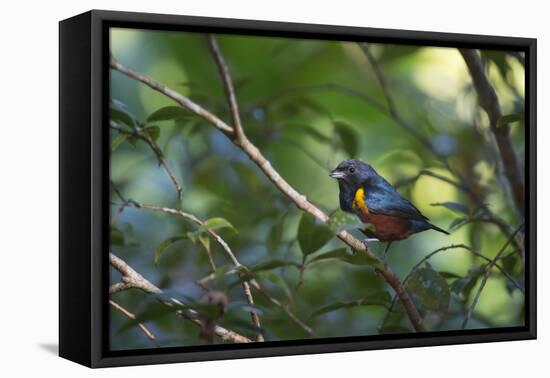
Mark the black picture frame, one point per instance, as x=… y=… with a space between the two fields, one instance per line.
x=83 y=229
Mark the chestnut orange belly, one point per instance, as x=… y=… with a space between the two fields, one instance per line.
x=386 y=227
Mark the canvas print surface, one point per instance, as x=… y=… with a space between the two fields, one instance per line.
x=270 y=189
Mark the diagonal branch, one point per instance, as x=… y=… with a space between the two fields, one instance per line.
x=158 y=154
x=179 y=98
x=246 y=286
x=393 y=112
x=486 y=275
x=489 y=216
x=488 y=100
x=392 y=108
x=285 y=308
x=299 y=200
x=150 y=335
x=228 y=85
x=133 y=279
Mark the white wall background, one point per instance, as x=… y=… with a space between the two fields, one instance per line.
x=29 y=189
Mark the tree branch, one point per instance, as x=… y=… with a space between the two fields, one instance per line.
x=150 y=335
x=488 y=100
x=486 y=275
x=246 y=286
x=159 y=155
x=179 y=98
x=265 y=166
x=489 y=216
x=393 y=112
x=392 y=109
x=228 y=86
x=135 y=280
x=492 y=264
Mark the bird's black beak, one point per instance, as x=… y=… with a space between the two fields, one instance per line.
x=337 y=174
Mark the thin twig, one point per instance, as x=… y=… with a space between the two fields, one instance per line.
x=486 y=276
x=371 y=101
x=454 y=246
x=177 y=97
x=158 y=154
x=299 y=200
x=228 y=85
x=150 y=335
x=135 y=280
x=219 y=240
x=489 y=216
x=477 y=254
x=119 y=286
x=256 y=285
x=392 y=109
x=394 y=113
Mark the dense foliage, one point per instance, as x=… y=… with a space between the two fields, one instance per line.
x=411 y=112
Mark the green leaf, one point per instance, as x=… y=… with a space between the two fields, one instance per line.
x=132 y=139
x=466 y=284
x=380 y=298
x=208 y=310
x=389 y=54
x=340 y=220
x=116 y=236
x=454 y=206
x=455 y=224
x=313 y=105
x=277 y=280
x=429 y=289
x=165 y=244
x=241 y=325
x=312 y=235
x=393 y=322
x=509 y=118
x=226 y=277
x=246 y=307
x=216 y=224
x=205 y=241
x=117 y=141
x=167 y=113
x=153 y=132
x=272 y=264
x=153 y=311
x=448 y=275
x=315 y=133
x=348 y=137
x=360 y=258
x=119 y=115
x=275 y=237
x=499 y=59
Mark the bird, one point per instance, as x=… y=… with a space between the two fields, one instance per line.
x=375 y=201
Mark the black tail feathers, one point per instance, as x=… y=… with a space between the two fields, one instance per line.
x=439 y=229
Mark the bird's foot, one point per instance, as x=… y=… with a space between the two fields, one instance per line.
x=366 y=242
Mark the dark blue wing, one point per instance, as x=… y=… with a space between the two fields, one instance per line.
x=382 y=198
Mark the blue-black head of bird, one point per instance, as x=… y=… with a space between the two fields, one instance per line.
x=375 y=201
x=353 y=175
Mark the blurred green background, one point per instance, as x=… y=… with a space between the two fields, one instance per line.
x=298 y=106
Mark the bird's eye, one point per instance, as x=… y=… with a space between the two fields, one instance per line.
x=351 y=170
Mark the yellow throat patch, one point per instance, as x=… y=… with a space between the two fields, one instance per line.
x=359 y=200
